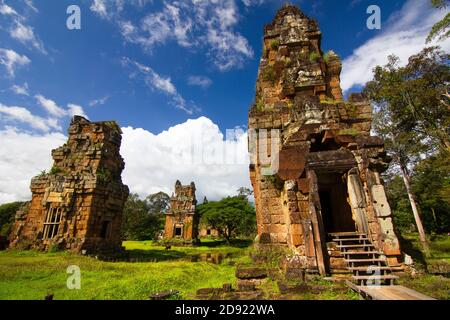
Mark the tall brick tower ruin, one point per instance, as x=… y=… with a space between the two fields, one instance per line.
x=315 y=167
x=181 y=218
x=78 y=205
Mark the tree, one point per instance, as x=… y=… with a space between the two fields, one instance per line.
x=440 y=28
x=158 y=203
x=138 y=222
x=410 y=114
x=431 y=183
x=231 y=217
x=7 y=214
x=242 y=191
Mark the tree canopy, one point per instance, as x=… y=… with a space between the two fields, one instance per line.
x=144 y=219
x=232 y=216
x=7 y=214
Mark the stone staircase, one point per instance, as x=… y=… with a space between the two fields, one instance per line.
x=368 y=265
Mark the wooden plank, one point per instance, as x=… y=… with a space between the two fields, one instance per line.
x=316 y=219
x=388 y=292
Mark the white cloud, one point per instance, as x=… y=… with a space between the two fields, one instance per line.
x=191 y=151
x=25 y=34
x=76 y=110
x=23 y=115
x=249 y=3
x=22 y=156
x=208 y=25
x=404 y=34
x=51 y=106
x=21 y=90
x=200 y=81
x=98 y=102
x=7 y=10
x=12 y=60
x=53 y=109
x=31 y=5
x=162 y=84
x=99 y=7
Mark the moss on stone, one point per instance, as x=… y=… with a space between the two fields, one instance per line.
x=274 y=44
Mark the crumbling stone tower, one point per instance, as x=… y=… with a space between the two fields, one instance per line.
x=315 y=167
x=181 y=218
x=78 y=205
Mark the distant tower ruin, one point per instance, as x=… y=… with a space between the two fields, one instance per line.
x=315 y=167
x=78 y=205
x=181 y=218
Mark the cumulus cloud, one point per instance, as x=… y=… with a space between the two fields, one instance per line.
x=17 y=25
x=53 y=109
x=22 y=156
x=76 y=110
x=12 y=60
x=25 y=34
x=51 y=106
x=23 y=115
x=162 y=84
x=404 y=34
x=7 y=10
x=208 y=25
x=195 y=150
x=20 y=90
x=200 y=81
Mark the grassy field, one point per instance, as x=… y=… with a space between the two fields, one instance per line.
x=32 y=275
x=151 y=268
x=433 y=271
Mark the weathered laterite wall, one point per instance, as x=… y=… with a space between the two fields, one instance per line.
x=325 y=149
x=85 y=190
x=182 y=215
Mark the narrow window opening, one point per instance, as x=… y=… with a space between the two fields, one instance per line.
x=52 y=222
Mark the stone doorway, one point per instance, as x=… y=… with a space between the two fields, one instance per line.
x=335 y=209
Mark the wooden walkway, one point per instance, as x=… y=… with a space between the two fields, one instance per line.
x=387 y=292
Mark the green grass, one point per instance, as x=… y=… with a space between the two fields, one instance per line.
x=33 y=275
x=434 y=270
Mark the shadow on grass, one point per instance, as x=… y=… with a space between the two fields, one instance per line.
x=149 y=255
x=236 y=243
x=408 y=247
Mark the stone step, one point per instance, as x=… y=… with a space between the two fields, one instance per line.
x=365 y=260
x=367 y=245
x=351 y=239
x=361 y=252
x=373 y=268
x=347 y=234
x=376 y=277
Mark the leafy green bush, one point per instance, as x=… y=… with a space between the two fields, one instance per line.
x=274 y=44
x=314 y=56
x=7 y=214
x=269 y=74
x=55 y=170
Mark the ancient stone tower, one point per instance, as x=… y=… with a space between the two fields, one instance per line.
x=181 y=218
x=315 y=167
x=79 y=204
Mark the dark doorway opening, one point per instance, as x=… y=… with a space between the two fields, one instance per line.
x=336 y=211
x=104 y=233
x=178 y=231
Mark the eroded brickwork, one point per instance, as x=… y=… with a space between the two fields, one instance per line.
x=181 y=218
x=328 y=175
x=78 y=205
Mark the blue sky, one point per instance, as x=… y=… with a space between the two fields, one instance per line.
x=153 y=65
